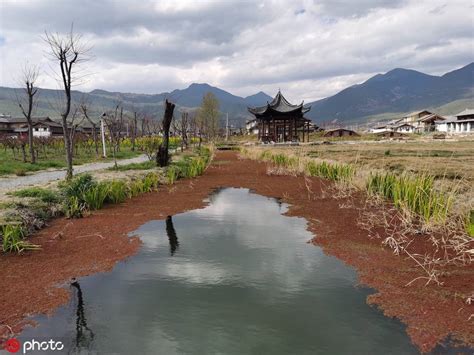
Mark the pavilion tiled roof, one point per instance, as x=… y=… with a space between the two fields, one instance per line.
x=279 y=104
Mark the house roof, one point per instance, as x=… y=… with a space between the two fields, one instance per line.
x=279 y=104
x=468 y=111
x=415 y=113
x=23 y=119
x=431 y=117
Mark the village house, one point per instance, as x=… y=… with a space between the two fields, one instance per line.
x=405 y=128
x=423 y=121
x=341 y=132
x=462 y=123
x=416 y=122
x=42 y=127
x=391 y=134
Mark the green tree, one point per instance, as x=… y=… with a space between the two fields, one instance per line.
x=208 y=117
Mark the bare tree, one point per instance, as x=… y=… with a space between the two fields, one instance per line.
x=162 y=157
x=84 y=108
x=134 y=129
x=28 y=80
x=181 y=127
x=114 y=122
x=69 y=51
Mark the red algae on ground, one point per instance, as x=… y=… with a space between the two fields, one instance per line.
x=31 y=282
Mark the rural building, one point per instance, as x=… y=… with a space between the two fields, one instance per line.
x=251 y=126
x=427 y=123
x=462 y=123
x=341 y=132
x=391 y=134
x=414 y=116
x=423 y=121
x=42 y=127
x=416 y=122
x=405 y=128
x=280 y=121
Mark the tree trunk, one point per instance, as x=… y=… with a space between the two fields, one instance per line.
x=30 y=142
x=23 y=151
x=94 y=135
x=162 y=157
x=67 y=148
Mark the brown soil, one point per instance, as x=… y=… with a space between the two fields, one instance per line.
x=34 y=282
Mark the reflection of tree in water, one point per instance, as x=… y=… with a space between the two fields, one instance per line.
x=172 y=237
x=84 y=336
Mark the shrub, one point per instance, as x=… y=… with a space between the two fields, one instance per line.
x=150 y=182
x=135 y=188
x=12 y=239
x=172 y=174
x=95 y=196
x=74 y=207
x=78 y=185
x=117 y=191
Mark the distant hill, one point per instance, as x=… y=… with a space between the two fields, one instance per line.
x=382 y=96
x=101 y=100
x=399 y=90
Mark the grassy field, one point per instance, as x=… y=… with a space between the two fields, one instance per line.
x=449 y=159
x=442 y=171
x=12 y=164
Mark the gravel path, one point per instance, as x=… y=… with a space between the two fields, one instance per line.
x=51 y=175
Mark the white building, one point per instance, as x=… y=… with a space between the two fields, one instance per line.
x=462 y=123
x=251 y=127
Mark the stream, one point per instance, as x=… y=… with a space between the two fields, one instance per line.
x=236 y=277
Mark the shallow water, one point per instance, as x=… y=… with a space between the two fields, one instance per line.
x=236 y=277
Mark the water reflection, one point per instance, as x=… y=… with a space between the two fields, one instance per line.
x=172 y=237
x=241 y=280
x=84 y=335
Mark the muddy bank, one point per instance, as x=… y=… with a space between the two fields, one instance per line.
x=31 y=283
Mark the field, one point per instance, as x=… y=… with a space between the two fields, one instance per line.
x=12 y=164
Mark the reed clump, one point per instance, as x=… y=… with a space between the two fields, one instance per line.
x=414 y=193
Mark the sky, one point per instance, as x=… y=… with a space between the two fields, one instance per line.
x=308 y=49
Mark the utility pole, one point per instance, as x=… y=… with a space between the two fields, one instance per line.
x=102 y=133
x=227 y=127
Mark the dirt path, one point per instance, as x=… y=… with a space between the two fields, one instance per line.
x=74 y=248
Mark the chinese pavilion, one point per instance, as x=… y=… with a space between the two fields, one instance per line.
x=280 y=121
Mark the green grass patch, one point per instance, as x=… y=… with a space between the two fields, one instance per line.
x=42 y=194
x=146 y=165
x=335 y=172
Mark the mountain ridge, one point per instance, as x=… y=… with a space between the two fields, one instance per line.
x=398 y=90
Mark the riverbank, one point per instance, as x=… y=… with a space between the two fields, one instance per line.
x=75 y=248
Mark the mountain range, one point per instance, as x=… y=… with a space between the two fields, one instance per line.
x=395 y=92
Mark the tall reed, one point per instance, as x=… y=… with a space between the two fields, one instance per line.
x=414 y=193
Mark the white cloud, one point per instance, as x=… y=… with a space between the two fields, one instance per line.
x=309 y=49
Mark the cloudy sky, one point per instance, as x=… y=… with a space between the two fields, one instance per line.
x=309 y=49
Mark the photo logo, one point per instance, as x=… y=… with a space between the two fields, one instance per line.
x=13 y=345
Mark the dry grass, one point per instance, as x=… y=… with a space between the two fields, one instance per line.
x=449 y=164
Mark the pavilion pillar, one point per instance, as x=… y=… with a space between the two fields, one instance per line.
x=296 y=130
x=274 y=130
x=304 y=132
